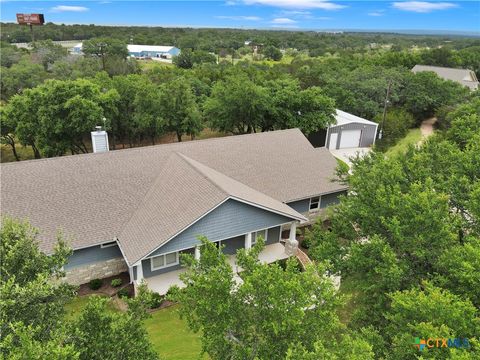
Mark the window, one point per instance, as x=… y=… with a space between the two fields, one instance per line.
x=256 y=234
x=164 y=261
x=314 y=203
x=105 y=245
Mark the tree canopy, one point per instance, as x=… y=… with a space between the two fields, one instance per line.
x=407 y=238
x=268 y=312
x=33 y=298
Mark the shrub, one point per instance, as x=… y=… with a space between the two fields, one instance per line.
x=155 y=300
x=95 y=284
x=397 y=123
x=283 y=264
x=307 y=242
x=116 y=282
x=123 y=293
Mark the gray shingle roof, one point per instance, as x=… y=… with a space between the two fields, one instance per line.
x=94 y=198
x=463 y=76
x=182 y=193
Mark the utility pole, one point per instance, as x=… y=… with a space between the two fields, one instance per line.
x=33 y=34
x=102 y=46
x=387 y=96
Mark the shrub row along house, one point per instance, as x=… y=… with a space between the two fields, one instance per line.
x=137 y=210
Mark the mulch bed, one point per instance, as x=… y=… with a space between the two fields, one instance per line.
x=106 y=288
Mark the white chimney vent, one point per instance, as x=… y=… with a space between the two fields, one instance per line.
x=99 y=140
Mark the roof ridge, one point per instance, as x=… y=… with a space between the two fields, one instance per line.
x=231 y=194
x=191 y=162
x=146 y=147
x=186 y=159
x=141 y=202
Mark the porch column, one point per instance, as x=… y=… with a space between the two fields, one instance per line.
x=197 y=252
x=248 y=240
x=291 y=244
x=293 y=231
x=139 y=272
x=130 y=274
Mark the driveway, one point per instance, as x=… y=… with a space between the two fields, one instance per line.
x=346 y=154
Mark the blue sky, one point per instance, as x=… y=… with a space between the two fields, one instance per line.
x=262 y=14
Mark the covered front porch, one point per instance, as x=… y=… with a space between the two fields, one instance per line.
x=161 y=283
x=272 y=252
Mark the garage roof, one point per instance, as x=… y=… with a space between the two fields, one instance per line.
x=343 y=118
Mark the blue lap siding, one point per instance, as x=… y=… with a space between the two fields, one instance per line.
x=92 y=255
x=331 y=199
x=231 y=219
x=302 y=206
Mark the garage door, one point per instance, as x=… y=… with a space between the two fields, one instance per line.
x=350 y=138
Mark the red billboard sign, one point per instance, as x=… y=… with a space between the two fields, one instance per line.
x=30 y=19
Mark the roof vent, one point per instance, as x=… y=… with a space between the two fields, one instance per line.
x=99 y=140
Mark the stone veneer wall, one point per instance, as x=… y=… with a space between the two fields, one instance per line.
x=99 y=270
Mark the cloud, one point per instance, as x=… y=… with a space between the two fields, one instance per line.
x=282 y=21
x=423 y=6
x=65 y=8
x=230 y=3
x=284 y=26
x=249 y=18
x=377 y=13
x=297 y=4
x=296 y=12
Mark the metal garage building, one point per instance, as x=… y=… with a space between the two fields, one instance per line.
x=141 y=51
x=350 y=131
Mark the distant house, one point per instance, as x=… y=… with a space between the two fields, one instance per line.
x=137 y=210
x=142 y=51
x=348 y=131
x=152 y=51
x=462 y=76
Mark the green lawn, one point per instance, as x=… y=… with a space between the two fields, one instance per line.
x=146 y=65
x=74 y=307
x=169 y=335
x=347 y=289
x=413 y=137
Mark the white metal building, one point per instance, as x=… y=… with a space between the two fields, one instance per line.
x=350 y=131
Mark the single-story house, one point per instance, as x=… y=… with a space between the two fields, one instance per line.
x=348 y=131
x=465 y=77
x=152 y=51
x=138 y=209
x=142 y=51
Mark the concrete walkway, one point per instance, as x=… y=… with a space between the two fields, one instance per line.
x=346 y=154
